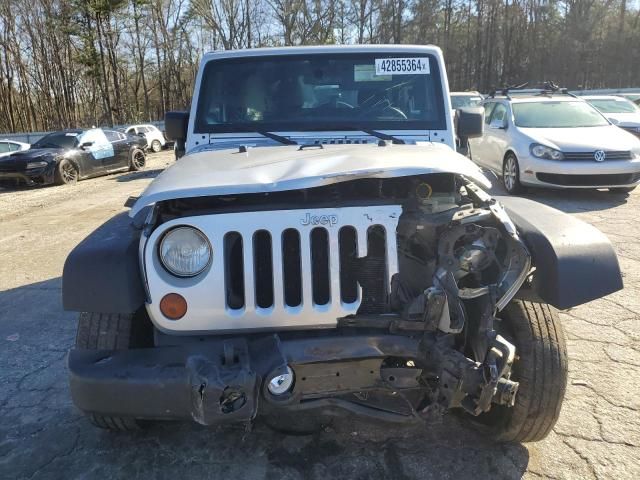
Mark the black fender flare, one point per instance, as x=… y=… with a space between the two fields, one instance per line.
x=575 y=262
x=102 y=273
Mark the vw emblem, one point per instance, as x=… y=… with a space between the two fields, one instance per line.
x=599 y=156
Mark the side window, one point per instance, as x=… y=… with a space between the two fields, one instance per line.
x=4 y=147
x=499 y=113
x=131 y=130
x=122 y=136
x=112 y=136
x=14 y=147
x=143 y=129
x=488 y=109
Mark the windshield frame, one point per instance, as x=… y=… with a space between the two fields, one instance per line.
x=514 y=108
x=345 y=124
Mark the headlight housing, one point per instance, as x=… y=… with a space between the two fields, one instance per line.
x=548 y=153
x=185 y=251
x=32 y=165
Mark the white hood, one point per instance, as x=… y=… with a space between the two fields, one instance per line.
x=272 y=169
x=584 y=139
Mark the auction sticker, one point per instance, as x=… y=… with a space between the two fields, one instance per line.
x=402 y=66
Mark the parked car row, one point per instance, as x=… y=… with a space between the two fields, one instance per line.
x=551 y=138
x=67 y=156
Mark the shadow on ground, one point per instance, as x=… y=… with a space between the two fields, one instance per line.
x=42 y=435
x=142 y=174
x=568 y=200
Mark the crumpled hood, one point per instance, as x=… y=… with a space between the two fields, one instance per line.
x=583 y=139
x=272 y=169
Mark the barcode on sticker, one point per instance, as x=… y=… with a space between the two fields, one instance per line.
x=402 y=66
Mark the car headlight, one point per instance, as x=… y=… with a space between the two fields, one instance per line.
x=31 y=165
x=548 y=153
x=185 y=251
x=636 y=153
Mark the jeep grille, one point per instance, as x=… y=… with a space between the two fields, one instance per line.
x=287 y=268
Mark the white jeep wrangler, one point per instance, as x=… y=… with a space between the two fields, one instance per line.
x=320 y=248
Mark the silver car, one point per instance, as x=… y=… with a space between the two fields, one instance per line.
x=555 y=140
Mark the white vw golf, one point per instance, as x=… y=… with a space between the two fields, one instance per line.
x=552 y=139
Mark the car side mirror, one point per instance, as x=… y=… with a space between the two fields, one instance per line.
x=85 y=145
x=469 y=122
x=176 y=125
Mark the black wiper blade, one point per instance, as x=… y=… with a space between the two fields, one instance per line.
x=383 y=136
x=277 y=138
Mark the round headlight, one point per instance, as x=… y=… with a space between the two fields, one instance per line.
x=185 y=251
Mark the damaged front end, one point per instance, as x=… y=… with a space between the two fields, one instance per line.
x=421 y=340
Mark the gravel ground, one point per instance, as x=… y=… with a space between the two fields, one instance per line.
x=43 y=436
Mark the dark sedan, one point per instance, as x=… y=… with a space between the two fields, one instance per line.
x=71 y=155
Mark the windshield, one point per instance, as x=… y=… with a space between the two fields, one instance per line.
x=557 y=115
x=57 y=140
x=461 y=101
x=319 y=92
x=615 y=106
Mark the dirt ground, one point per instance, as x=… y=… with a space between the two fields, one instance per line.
x=43 y=436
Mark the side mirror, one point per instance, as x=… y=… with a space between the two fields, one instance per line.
x=469 y=122
x=85 y=145
x=176 y=125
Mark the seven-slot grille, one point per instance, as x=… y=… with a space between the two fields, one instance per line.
x=609 y=155
x=278 y=269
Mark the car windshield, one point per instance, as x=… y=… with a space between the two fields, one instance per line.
x=621 y=105
x=57 y=140
x=561 y=114
x=461 y=101
x=320 y=92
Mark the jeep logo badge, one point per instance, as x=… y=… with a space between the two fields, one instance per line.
x=599 y=156
x=309 y=219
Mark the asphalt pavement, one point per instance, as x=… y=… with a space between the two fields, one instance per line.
x=43 y=436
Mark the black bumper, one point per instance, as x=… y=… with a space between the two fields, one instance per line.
x=35 y=176
x=223 y=380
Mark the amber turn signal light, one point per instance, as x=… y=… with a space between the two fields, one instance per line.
x=173 y=306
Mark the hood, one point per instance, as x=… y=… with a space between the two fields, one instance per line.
x=583 y=139
x=21 y=157
x=624 y=119
x=272 y=169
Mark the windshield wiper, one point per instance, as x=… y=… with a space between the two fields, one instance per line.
x=383 y=136
x=277 y=138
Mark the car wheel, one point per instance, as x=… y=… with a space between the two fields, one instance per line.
x=622 y=189
x=541 y=370
x=156 y=146
x=138 y=160
x=102 y=331
x=511 y=174
x=66 y=173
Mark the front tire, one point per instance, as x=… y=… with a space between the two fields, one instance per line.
x=66 y=173
x=541 y=370
x=137 y=161
x=156 y=146
x=102 y=331
x=511 y=175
